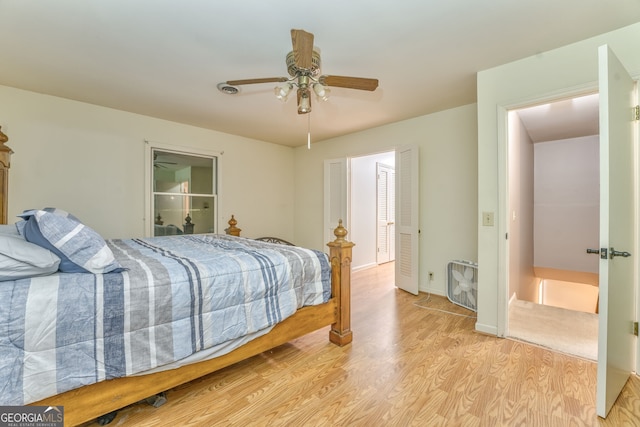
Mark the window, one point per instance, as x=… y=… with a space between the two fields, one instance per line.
x=184 y=192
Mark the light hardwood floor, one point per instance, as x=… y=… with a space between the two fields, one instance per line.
x=407 y=365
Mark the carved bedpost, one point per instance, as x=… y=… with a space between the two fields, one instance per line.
x=5 y=163
x=233 y=230
x=340 y=257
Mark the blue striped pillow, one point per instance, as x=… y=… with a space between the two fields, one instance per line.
x=80 y=248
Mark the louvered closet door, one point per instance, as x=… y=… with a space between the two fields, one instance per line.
x=385 y=213
x=407 y=227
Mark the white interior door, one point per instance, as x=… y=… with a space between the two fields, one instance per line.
x=407 y=227
x=616 y=342
x=385 y=213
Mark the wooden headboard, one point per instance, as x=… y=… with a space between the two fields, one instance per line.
x=5 y=163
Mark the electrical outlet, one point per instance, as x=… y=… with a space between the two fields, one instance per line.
x=487 y=219
x=430 y=276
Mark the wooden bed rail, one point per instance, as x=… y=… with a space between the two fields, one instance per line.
x=92 y=401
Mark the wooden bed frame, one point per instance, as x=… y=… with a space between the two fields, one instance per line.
x=5 y=163
x=90 y=402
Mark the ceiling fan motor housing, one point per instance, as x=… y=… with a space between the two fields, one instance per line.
x=295 y=71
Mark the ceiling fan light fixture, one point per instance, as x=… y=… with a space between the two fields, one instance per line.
x=321 y=91
x=303 y=65
x=304 y=101
x=282 y=92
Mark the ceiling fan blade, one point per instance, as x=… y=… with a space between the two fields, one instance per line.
x=302 y=48
x=253 y=81
x=349 y=82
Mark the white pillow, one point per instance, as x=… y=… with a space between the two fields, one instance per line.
x=20 y=259
x=10 y=229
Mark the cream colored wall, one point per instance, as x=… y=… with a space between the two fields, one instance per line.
x=567 y=208
x=568 y=70
x=89 y=160
x=447 y=141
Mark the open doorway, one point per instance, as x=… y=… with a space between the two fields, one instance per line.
x=553 y=218
x=343 y=190
x=372 y=203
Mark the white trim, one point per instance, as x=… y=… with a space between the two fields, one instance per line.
x=553 y=96
x=502 y=215
x=434 y=291
x=503 y=183
x=486 y=329
x=364 y=267
x=636 y=173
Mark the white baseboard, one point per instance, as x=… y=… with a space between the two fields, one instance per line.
x=487 y=329
x=363 y=267
x=435 y=291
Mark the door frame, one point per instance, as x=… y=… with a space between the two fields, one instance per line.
x=503 y=189
x=503 y=199
x=347 y=184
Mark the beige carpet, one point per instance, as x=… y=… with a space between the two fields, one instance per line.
x=566 y=331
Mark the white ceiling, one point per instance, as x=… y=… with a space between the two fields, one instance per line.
x=163 y=58
x=564 y=119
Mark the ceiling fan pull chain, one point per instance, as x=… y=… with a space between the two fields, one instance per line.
x=308 y=131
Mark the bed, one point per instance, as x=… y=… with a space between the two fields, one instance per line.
x=132 y=332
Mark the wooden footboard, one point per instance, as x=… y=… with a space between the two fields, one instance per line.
x=89 y=402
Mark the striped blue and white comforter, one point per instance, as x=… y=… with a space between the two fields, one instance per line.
x=180 y=295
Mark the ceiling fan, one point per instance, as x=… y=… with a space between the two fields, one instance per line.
x=161 y=164
x=303 y=65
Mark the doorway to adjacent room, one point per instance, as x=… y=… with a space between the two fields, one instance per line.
x=553 y=190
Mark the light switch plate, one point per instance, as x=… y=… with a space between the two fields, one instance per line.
x=487 y=219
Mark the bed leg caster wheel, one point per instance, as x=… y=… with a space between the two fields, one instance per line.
x=158 y=400
x=105 y=419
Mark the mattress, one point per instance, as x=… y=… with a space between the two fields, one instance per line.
x=179 y=299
